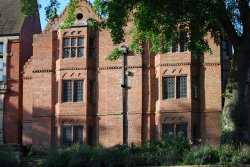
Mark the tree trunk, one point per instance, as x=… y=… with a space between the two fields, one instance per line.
x=233 y=111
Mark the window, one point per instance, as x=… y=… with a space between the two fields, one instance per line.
x=78 y=91
x=181 y=87
x=72 y=91
x=72 y=134
x=169 y=85
x=179 y=44
x=248 y=75
x=174 y=129
x=195 y=87
x=73 y=47
x=92 y=91
x=224 y=48
x=91 y=48
x=1 y=62
x=183 y=42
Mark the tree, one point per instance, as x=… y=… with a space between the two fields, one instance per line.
x=163 y=21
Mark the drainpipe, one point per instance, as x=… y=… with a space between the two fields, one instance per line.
x=124 y=51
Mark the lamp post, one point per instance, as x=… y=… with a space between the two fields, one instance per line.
x=124 y=51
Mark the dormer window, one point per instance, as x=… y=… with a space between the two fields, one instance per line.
x=73 y=47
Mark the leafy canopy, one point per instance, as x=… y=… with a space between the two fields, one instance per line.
x=163 y=21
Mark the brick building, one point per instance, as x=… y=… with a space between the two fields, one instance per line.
x=71 y=93
x=16 y=34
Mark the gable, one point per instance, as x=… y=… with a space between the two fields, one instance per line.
x=84 y=7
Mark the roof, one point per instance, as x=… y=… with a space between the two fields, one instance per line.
x=11 y=17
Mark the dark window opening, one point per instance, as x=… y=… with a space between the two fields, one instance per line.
x=91 y=135
x=175 y=129
x=183 y=42
x=72 y=134
x=92 y=91
x=79 y=16
x=181 y=87
x=169 y=87
x=73 y=47
x=195 y=87
x=72 y=89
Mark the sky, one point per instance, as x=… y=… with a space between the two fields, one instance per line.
x=44 y=3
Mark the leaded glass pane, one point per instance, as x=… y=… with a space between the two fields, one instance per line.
x=73 y=41
x=183 y=43
x=78 y=91
x=80 y=52
x=78 y=134
x=1 y=75
x=1 y=48
x=166 y=49
x=67 y=135
x=67 y=91
x=248 y=75
x=80 y=41
x=168 y=130
x=169 y=87
x=66 y=52
x=181 y=87
x=175 y=48
x=66 y=42
x=181 y=129
x=1 y=63
x=73 y=52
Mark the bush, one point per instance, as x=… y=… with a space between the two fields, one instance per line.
x=7 y=160
x=242 y=157
x=168 y=151
x=202 y=155
x=75 y=156
x=226 y=153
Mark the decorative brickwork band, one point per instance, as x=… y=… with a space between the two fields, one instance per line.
x=42 y=71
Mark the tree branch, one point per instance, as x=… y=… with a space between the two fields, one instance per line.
x=244 y=10
x=227 y=25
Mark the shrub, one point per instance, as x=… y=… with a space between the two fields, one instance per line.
x=168 y=151
x=7 y=160
x=226 y=153
x=242 y=157
x=75 y=156
x=202 y=155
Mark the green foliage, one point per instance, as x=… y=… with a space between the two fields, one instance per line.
x=69 y=20
x=226 y=153
x=7 y=159
x=242 y=156
x=114 y=55
x=29 y=7
x=51 y=10
x=168 y=151
x=75 y=156
x=202 y=155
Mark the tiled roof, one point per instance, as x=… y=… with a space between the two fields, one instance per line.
x=11 y=17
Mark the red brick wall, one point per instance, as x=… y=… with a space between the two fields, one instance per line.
x=145 y=114
x=12 y=103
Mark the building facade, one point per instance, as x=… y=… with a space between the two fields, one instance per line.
x=16 y=36
x=71 y=93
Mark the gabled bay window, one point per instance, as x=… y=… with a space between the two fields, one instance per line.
x=73 y=47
